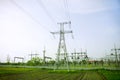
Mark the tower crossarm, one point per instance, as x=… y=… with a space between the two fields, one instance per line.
x=33 y=54
x=114 y=49
x=19 y=57
x=55 y=32
x=67 y=31
x=61 y=32
x=69 y=22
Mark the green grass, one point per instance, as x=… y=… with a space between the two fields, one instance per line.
x=15 y=73
x=8 y=70
x=111 y=74
x=34 y=74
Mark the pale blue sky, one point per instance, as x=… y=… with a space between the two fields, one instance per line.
x=25 y=26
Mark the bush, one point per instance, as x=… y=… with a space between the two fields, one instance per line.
x=34 y=61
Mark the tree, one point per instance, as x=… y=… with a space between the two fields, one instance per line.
x=52 y=62
x=34 y=61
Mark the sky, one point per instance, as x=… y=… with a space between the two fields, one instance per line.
x=25 y=27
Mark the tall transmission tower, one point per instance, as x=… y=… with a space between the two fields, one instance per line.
x=116 y=55
x=62 y=55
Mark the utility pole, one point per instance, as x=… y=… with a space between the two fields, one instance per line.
x=62 y=50
x=116 y=55
x=8 y=59
x=119 y=58
x=33 y=55
x=74 y=55
x=44 y=51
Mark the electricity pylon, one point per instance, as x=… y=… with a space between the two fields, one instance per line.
x=62 y=55
x=116 y=55
x=33 y=55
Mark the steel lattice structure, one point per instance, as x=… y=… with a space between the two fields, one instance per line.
x=62 y=54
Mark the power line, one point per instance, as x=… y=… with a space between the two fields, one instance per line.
x=27 y=13
x=41 y=4
x=67 y=12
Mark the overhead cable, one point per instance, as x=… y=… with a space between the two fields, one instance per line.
x=41 y=4
x=29 y=15
x=67 y=12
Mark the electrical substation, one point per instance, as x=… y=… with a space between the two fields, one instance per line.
x=59 y=39
x=64 y=59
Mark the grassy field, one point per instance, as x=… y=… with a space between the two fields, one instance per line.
x=111 y=74
x=10 y=73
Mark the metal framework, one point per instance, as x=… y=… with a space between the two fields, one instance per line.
x=18 y=58
x=45 y=57
x=116 y=55
x=76 y=56
x=44 y=51
x=33 y=55
x=62 y=54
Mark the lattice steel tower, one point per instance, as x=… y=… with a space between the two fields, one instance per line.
x=62 y=55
